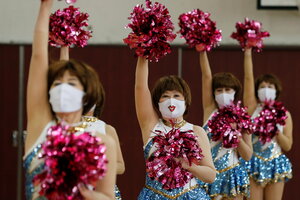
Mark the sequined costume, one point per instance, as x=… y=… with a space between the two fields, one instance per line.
x=232 y=178
x=268 y=164
x=153 y=189
x=34 y=166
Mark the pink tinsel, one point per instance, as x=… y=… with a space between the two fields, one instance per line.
x=221 y=124
x=273 y=113
x=151 y=31
x=68 y=1
x=70 y=160
x=199 y=30
x=161 y=165
x=249 y=34
x=66 y=28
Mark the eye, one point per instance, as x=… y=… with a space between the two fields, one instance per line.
x=72 y=84
x=164 y=96
x=56 y=83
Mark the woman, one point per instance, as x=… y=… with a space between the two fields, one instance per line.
x=269 y=168
x=93 y=117
x=155 y=114
x=220 y=90
x=72 y=93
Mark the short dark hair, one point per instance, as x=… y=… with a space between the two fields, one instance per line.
x=169 y=83
x=94 y=92
x=227 y=80
x=268 y=78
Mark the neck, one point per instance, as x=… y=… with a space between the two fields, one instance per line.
x=174 y=122
x=70 y=118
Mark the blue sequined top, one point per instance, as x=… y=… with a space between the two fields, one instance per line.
x=153 y=189
x=34 y=166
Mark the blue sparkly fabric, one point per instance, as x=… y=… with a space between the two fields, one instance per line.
x=267 y=165
x=154 y=190
x=117 y=193
x=231 y=179
x=29 y=188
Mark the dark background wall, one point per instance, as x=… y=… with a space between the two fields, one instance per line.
x=116 y=68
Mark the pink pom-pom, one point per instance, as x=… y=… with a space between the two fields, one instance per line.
x=66 y=28
x=228 y=123
x=161 y=165
x=152 y=31
x=249 y=34
x=199 y=30
x=70 y=160
x=69 y=1
x=273 y=113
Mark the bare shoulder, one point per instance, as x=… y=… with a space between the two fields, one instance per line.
x=109 y=128
x=199 y=131
x=107 y=140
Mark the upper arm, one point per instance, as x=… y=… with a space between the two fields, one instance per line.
x=146 y=114
x=288 y=128
x=204 y=144
x=207 y=93
x=107 y=183
x=111 y=131
x=38 y=108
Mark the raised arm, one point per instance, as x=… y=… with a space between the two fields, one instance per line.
x=146 y=114
x=249 y=89
x=111 y=131
x=285 y=138
x=38 y=108
x=208 y=101
x=64 y=53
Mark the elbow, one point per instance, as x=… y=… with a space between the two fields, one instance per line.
x=287 y=148
x=210 y=177
x=247 y=155
x=120 y=168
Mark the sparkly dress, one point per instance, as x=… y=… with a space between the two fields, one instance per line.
x=232 y=178
x=153 y=189
x=268 y=164
x=100 y=126
x=34 y=166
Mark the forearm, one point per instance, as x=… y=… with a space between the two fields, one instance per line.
x=249 y=89
x=41 y=31
x=204 y=64
x=64 y=53
x=142 y=71
x=204 y=173
x=284 y=142
x=245 y=150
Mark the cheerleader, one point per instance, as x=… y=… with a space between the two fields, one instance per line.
x=269 y=168
x=159 y=112
x=220 y=90
x=63 y=91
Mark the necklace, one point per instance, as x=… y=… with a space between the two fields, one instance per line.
x=78 y=128
x=174 y=125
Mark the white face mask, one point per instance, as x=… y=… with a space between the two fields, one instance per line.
x=224 y=99
x=65 y=98
x=172 y=108
x=266 y=94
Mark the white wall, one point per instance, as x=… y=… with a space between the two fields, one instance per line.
x=109 y=18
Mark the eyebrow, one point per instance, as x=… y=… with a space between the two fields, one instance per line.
x=73 y=78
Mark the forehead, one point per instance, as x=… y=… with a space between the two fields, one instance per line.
x=171 y=92
x=266 y=83
x=67 y=74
